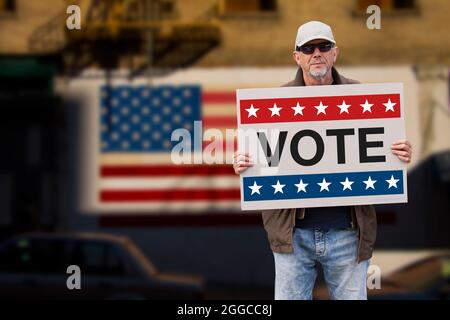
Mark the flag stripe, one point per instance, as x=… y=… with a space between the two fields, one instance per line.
x=170 y=206
x=219 y=122
x=143 y=159
x=218 y=97
x=166 y=170
x=170 y=183
x=222 y=144
x=222 y=110
x=158 y=195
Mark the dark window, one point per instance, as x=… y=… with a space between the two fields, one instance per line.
x=167 y=7
x=268 y=5
x=7 y=5
x=387 y=5
x=96 y=258
x=404 y=4
x=239 y=6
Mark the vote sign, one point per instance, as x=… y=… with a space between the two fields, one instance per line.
x=319 y=146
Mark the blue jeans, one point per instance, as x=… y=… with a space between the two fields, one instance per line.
x=336 y=251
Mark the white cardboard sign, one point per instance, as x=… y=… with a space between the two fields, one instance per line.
x=319 y=146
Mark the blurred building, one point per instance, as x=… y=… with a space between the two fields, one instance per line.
x=202 y=33
x=224 y=43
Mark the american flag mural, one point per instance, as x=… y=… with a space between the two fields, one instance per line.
x=135 y=165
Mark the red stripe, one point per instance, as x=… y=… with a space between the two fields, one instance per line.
x=161 y=195
x=166 y=170
x=234 y=144
x=219 y=122
x=218 y=97
x=332 y=112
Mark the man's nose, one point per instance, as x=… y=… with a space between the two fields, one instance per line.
x=317 y=53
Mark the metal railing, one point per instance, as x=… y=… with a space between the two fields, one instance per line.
x=174 y=42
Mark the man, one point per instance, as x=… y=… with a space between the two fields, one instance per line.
x=341 y=239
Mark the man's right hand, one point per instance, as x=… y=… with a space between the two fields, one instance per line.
x=241 y=161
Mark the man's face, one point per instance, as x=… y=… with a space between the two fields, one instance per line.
x=316 y=64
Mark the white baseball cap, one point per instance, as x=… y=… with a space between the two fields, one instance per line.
x=313 y=30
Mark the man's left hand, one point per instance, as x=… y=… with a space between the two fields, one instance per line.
x=402 y=149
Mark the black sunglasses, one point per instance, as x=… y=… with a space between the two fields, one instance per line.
x=310 y=48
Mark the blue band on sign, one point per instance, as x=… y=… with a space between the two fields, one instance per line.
x=327 y=185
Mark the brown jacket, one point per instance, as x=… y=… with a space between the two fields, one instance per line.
x=280 y=223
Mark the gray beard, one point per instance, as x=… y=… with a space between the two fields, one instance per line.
x=318 y=74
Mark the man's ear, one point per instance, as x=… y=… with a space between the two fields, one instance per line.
x=295 y=55
x=336 y=53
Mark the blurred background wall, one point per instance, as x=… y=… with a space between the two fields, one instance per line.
x=50 y=173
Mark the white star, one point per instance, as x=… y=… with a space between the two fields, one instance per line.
x=301 y=186
x=370 y=183
x=252 y=111
x=347 y=184
x=298 y=109
x=275 y=110
x=324 y=185
x=321 y=108
x=278 y=187
x=344 y=107
x=255 y=188
x=392 y=182
x=367 y=106
x=389 y=105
